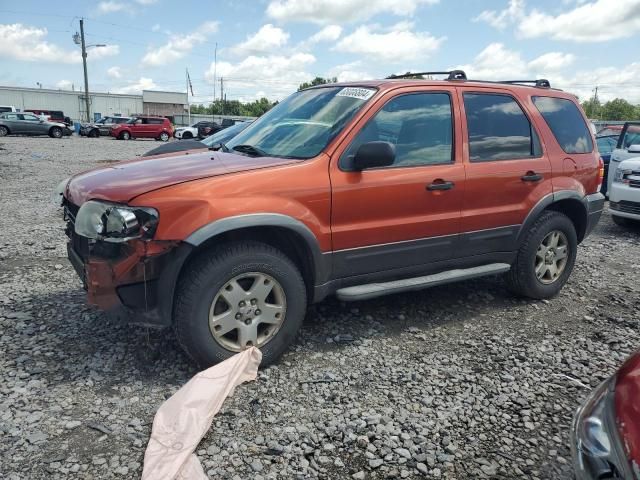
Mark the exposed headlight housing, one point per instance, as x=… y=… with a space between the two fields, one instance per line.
x=595 y=442
x=115 y=223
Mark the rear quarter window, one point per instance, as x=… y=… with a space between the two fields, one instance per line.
x=566 y=123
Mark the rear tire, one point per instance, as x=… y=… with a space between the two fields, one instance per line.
x=164 y=136
x=4 y=131
x=55 y=132
x=219 y=274
x=541 y=269
x=125 y=136
x=186 y=135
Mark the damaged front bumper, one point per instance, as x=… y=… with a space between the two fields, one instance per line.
x=139 y=275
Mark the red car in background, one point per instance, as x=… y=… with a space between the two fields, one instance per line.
x=144 y=126
x=606 y=428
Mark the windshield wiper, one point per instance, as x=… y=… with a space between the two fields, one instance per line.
x=250 y=150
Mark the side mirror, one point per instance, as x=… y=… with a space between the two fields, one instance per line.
x=635 y=148
x=373 y=155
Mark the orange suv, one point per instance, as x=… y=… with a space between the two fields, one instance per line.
x=353 y=189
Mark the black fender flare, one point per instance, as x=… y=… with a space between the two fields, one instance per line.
x=544 y=203
x=206 y=232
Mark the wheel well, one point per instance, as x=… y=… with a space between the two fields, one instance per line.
x=574 y=209
x=287 y=241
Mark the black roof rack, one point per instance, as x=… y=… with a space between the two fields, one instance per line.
x=541 y=82
x=461 y=75
x=451 y=75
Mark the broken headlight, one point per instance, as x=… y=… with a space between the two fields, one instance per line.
x=112 y=222
x=58 y=193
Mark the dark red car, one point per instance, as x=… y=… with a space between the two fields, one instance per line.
x=144 y=126
x=606 y=428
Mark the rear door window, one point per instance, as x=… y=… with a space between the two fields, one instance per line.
x=566 y=122
x=498 y=129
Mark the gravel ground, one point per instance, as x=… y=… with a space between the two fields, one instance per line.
x=462 y=381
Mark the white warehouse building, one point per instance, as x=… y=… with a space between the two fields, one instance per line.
x=72 y=103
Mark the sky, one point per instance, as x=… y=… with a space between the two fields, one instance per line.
x=268 y=47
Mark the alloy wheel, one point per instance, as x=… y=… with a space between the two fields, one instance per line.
x=247 y=311
x=551 y=257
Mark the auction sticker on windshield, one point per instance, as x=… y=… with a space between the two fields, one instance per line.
x=356 y=92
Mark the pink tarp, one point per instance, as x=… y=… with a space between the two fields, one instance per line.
x=182 y=420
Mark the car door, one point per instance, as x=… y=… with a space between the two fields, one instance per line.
x=33 y=125
x=507 y=170
x=405 y=216
x=13 y=123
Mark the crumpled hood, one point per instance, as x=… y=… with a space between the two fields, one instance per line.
x=121 y=182
x=620 y=154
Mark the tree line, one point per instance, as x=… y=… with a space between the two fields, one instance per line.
x=616 y=109
x=235 y=107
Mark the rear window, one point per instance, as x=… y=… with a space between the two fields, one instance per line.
x=566 y=122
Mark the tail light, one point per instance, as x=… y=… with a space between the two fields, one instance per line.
x=600 y=173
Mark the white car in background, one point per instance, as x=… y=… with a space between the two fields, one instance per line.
x=628 y=147
x=200 y=130
x=624 y=196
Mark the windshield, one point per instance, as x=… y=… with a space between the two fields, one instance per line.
x=132 y=120
x=223 y=136
x=303 y=124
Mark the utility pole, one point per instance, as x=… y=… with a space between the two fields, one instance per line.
x=188 y=106
x=84 y=65
x=222 y=93
x=215 y=68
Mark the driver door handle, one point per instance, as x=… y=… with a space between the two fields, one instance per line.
x=440 y=184
x=531 y=177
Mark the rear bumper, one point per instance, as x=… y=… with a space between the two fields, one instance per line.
x=594 y=204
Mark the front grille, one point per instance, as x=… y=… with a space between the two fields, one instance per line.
x=626 y=206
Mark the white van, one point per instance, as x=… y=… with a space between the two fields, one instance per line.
x=7 y=108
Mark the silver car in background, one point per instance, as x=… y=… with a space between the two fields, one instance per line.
x=102 y=127
x=13 y=123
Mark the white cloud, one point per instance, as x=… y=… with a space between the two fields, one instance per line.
x=110 y=6
x=330 y=33
x=340 y=11
x=496 y=62
x=28 y=43
x=114 y=72
x=64 y=84
x=178 y=46
x=277 y=75
x=349 y=72
x=102 y=52
x=501 y=18
x=551 y=61
x=267 y=39
x=396 y=44
x=143 y=83
x=596 y=21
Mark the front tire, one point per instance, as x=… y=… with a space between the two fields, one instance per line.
x=94 y=133
x=4 y=131
x=55 y=132
x=186 y=135
x=164 y=136
x=125 y=136
x=545 y=258
x=236 y=296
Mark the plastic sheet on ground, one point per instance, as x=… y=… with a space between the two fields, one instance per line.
x=182 y=420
